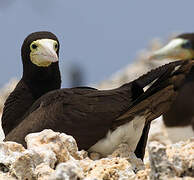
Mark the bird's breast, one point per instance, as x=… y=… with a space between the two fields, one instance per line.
x=129 y=133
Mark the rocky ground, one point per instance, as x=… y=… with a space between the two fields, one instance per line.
x=55 y=156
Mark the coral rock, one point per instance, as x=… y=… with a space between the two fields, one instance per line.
x=43 y=172
x=17 y=161
x=24 y=165
x=48 y=149
x=124 y=151
x=181 y=155
x=110 y=169
x=161 y=167
x=57 y=146
x=70 y=170
x=4 y=176
x=9 y=152
x=172 y=161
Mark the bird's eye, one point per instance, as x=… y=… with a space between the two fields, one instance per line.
x=34 y=46
x=187 y=45
x=56 y=46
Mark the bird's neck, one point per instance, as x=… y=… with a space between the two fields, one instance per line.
x=28 y=90
x=42 y=80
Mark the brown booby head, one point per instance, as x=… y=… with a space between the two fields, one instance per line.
x=40 y=51
x=179 y=48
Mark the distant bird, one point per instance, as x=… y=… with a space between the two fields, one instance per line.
x=99 y=120
x=76 y=77
x=179 y=119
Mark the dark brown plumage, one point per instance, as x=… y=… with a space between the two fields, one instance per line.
x=181 y=112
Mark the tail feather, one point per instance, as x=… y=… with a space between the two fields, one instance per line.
x=158 y=98
x=149 y=77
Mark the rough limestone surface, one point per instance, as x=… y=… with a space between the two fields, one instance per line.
x=18 y=162
x=43 y=171
x=123 y=151
x=70 y=170
x=55 y=147
x=54 y=156
x=109 y=168
x=176 y=160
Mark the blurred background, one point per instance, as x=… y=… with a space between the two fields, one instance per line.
x=97 y=37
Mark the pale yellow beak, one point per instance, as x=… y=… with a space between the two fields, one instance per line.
x=174 y=50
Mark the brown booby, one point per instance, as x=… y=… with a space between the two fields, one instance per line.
x=99 y=120
x=179 y=119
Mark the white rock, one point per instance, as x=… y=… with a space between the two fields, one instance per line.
x=17 y=161
x=43 y=172
x=124 y=151
x=160 y=166
x=9 y=152
x=69 y=170
x=176 y=160
x=55 y=145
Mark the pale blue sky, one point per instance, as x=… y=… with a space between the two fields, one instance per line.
x=102 y=35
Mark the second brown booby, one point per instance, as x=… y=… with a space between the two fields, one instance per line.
x=179 y=119
x=99 y=120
